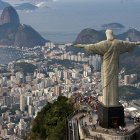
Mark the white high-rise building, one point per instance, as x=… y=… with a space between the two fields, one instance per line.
x=126 y=79
x=95 y=61
x=29 y=100
x=31 y=110
x=57 y=90
x=75 y=74
x=22 y=102
x=66 y=74
x=49 y=45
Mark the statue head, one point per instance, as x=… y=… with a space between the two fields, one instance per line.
x=109 y=34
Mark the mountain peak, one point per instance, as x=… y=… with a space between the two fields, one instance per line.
x=15 y=34
x=88 y=36
x=9 y=15
x=131 y=34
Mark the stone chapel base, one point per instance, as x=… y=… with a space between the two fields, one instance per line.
x=110 y=117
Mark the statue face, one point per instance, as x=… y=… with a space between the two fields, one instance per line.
x=109 y=34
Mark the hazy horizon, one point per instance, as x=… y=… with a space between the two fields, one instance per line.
x=70 y=17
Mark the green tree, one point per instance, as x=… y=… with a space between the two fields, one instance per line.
x=50 y=122
x=25 y=67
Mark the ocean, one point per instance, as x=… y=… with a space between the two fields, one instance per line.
x=9 y=54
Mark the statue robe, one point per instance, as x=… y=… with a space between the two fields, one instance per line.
x=110 y=52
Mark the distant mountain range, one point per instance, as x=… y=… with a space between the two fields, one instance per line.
x=26 y=6
x=89 y=36
x=29 y=6
x=42 y=5
x=15 y=34
x=131 y=34
x=112 y=26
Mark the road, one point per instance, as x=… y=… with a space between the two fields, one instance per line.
x=73 y=129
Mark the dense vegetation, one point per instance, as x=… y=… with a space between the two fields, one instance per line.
x=25 y=67
x=89 y=36
x=129 y=93
x=50 y=122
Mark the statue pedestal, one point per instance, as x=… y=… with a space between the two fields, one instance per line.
x=110 y=117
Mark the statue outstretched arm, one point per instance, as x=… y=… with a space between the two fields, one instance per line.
x=80 y=45
x=97 y=48
x=127 y=46
x=133 y=44
x=137 y=43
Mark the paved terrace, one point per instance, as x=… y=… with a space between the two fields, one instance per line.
x=91 y=127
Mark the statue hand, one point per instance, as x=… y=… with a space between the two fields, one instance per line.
x=79 y=46
x=138 y=43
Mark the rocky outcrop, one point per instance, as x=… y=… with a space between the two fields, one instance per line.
x=89 y=36
x=14 y=34
x=10 y=16
x=27 y=36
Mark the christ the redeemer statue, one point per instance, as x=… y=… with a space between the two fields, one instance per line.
x=109 y=50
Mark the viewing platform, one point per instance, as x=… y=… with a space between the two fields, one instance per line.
x=91 y=130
